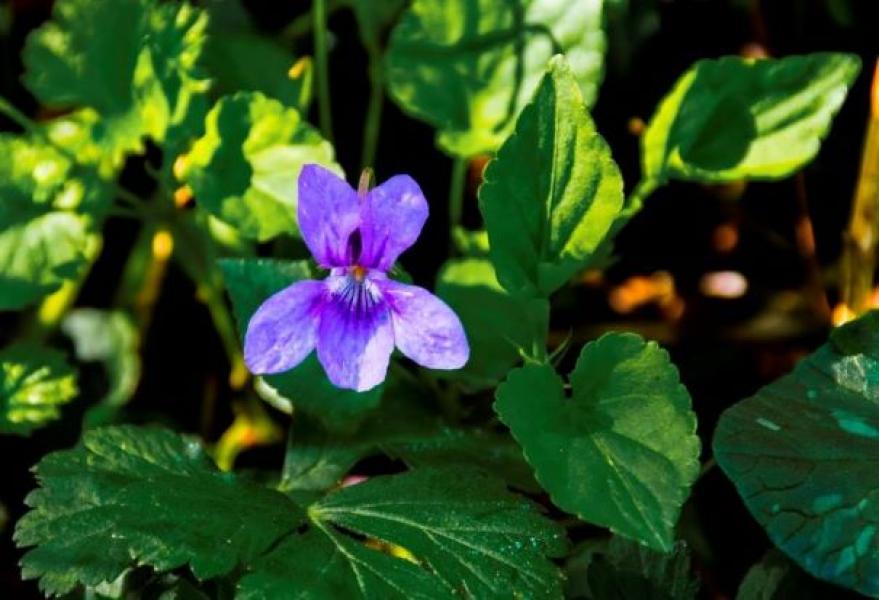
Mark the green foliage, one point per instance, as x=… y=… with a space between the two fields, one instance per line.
x=618 y=568
x=405 y=428
x=45 y=226
x=240 y=59
x=468 y=67
x=245 y=168
x=249 y=282
x=622 y=451
x=140 y=80
x=34 y=383
x=733 y=118
x=552 y=194
x=777 y=578
x=500 y=327
x=802 y=451
x=374 y=17
x=132 y=495
x=459 y=531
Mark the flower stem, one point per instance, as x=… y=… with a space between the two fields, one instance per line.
x=321 y=59
x=456 y=192
x=636 y=199
x=374 y=109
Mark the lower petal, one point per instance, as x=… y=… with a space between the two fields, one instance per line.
x=354 y=346
x=425 y=328
x=282 y=331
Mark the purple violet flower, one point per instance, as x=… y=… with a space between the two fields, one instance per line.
x=356 y=315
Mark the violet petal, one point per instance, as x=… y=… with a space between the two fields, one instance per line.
x=328 y=213
x=283 y=330
x=355 y=337
x=425 y=328
x=392 y=217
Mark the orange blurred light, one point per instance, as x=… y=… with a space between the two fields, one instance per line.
x=725 y=237
x=641 y=290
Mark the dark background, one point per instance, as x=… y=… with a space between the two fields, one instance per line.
x=722 y=350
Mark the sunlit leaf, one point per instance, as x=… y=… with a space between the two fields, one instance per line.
x=733 y=118
x=132 y=62
x=430 y=533
x=250 y=282
x=802 y=454
x=244 y=170
x=500 y=327
x=133 y=495
x=553 y=192
x=622 y=451
x=45 y=222
x=468 y=67
x=35 y=382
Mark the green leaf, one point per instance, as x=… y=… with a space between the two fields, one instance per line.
x=460 y=533
x=250 y=282
x=139 y=495
x=622 y=451
x=624 y=570
x=234 y=46
x=802 y=454
x=403 y=428
x=500 y=327
x=245 y=168
x=34 y=383
x=110 y=338
x=777 y=578
x=468 y=67
x=374 y=18
x=132 y=62
x=45 y=231
x=552 y=194
x=732 y=118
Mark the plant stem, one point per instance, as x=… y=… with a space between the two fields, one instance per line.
x=303 y=24
x=456 y=192
x=197 y=258
x=636 y=199
x=860 y=243
x=321 y=59
x=374 y=109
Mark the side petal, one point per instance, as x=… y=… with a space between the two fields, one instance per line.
x=425 y=328
x=328 y=213
x=282 y=331
x=355 y=346
x=392 y=217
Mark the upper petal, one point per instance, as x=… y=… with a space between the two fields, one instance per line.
x=329 y=212
x=283 y=330
x=355 y=337
x=392 y=217
x=425 y=328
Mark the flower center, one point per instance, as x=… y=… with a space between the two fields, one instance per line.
x=358 y=273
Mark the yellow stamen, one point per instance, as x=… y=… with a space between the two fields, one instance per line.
x=358 y=272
